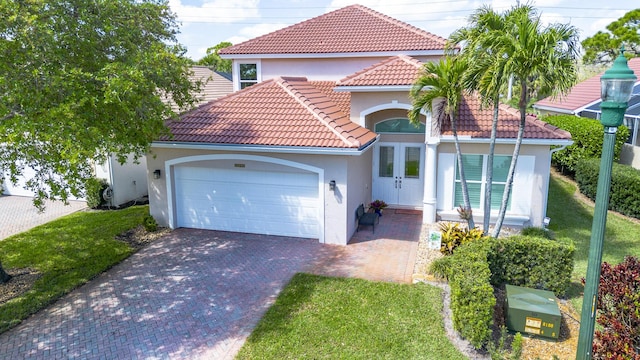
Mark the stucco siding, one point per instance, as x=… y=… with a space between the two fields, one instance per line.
x=359 y=188
x=334 y=168
x=531 y=183
x=320 y=68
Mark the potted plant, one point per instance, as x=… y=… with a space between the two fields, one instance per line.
x=378 y=205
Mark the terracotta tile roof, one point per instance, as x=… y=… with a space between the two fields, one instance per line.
x=278 y=112
x=583 y=93
x=475 y=121
x=396 y=70
x=352 y=29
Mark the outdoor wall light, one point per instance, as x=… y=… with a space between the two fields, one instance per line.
x=156 y=174
x=546 y=221
x=332 y=185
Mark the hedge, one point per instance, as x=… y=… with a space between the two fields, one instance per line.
x=531 y=262
x=587 y=135
x=476 y=267
x=472 y=299
x=625 y=186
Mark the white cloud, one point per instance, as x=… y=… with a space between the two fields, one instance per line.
x=216 y=11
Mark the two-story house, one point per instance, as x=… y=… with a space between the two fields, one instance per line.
x=318 y=125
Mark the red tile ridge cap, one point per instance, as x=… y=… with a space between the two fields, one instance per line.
x=533 y=119
x=400 y=23
x=286 y=84
x=408 y=59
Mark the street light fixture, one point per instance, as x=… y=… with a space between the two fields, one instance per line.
x=616 y=85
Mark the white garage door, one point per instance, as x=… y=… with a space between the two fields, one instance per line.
x=273 y=203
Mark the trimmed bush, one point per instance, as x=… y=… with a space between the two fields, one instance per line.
x=531 y=262
x=477 y=266
x=150 y=224
x=94 y=188
x=625 y=186
x=472 y=299
x=618 y=311
x=587 y=135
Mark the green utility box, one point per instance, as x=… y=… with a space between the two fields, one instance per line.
x=532 y=311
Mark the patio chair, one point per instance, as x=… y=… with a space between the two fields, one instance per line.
x=364 y=218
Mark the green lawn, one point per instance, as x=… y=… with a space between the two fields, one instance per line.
x=571 y=221
x=68 y=252
x=318 y=317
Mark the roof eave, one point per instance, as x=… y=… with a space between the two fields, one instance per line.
x=372 y=88
x=263 y=148
x=554 y=109
x=436 y=52
x=472 y=140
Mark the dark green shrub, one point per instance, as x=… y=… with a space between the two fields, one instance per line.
x=533 y=231
x=587 y=135
x=625 y=186
x=477 y=266
x=453 y=236
x=531 y=262
x=472 y=299
x=94 y=188
x=150 y=224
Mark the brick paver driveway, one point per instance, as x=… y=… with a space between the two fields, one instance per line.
x=197 y=294
x=193 y=294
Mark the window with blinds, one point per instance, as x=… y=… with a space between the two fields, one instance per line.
x=475 y=171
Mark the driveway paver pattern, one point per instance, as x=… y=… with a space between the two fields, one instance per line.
x=197 y=294
x=17 y=213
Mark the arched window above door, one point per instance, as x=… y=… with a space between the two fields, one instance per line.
x=398 y=126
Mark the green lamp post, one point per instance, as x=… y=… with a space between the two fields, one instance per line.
x=616 y=86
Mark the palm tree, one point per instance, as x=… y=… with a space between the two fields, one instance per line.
x=485 y=76
x=439 y=90
x=533 y=54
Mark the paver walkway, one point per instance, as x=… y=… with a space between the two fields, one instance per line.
x=197 y=294
x=17 y=213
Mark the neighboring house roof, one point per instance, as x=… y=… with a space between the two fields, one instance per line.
x=398 y=70
x=581 y=95
x=285 y=111
x=352 y=29
x=214 y=84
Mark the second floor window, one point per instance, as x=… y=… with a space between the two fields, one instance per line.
x=248 y=75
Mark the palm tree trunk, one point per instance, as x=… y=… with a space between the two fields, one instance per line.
x=514 y=161
x=488 y=187
x=4 y=277
x=463 y=179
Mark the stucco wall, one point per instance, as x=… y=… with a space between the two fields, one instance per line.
x=337 y=224
x=630 y=155
x=359 y=179
x=536 y=188
x=129 y=180
x=321 y=68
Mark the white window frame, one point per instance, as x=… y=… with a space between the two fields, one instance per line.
x=482 y=182
x=237 y=82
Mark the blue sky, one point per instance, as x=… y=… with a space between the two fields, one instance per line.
x=205 y=23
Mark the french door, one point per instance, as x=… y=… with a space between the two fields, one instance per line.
x=398 y=173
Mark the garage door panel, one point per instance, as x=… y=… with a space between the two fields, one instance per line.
x=283 y=203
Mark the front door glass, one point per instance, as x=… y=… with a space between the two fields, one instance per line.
x=402 y=184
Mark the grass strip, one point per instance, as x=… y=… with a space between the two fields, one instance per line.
x=67 y=252
x=317 y=317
